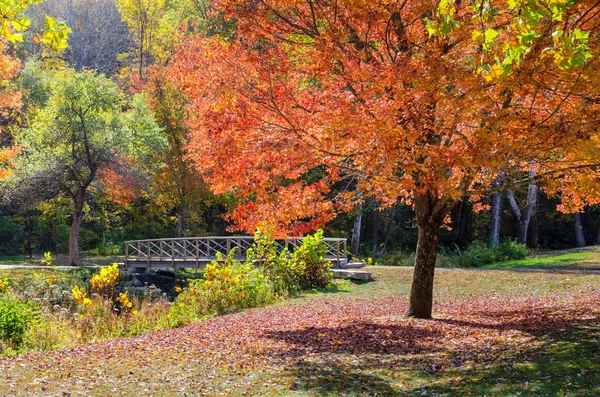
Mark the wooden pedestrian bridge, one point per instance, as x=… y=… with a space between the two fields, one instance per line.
x=196 y=252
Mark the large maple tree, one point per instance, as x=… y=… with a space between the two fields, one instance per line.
x=427 y=102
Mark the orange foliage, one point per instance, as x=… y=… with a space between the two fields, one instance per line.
x=10 y=100
x=310 y=94
x=121 y=187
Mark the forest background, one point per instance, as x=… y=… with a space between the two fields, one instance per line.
x=142 y=184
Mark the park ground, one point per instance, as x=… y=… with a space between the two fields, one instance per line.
x=527 y=328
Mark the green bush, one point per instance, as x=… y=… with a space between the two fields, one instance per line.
x=107 y=249
x=15 y=319
x=316 y=271
x=284 y=274
x=88 y=238
x=227 y=286
x=479 y=254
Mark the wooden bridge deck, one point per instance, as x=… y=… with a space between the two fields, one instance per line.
x=196 y=252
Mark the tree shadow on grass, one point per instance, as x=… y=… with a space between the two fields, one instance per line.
x=333 y=379
x=357 y=338
x=372 y=358
x=566 y=364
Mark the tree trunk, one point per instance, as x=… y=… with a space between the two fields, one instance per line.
x=74 y=259
x=29 y=245
x=579 y=237
x=496 y=214
x=389 y=219
x=496 y=218
x=524 y=218
x=430 y=214
x=180 y=221
x=457 y=229
x=529 y=209
x=356 y=231
x=375 y=230
x=534 y=233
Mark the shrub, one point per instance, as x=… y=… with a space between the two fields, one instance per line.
x=230 y=285
x=15 y=320
x=81 y=297
x=107 y=249
x=227 y=286
x=284 y=274
x=479 y=254
x=47 y=261
x=4 y=286
x=316 y=271
x=48 y=290
x=105 y=281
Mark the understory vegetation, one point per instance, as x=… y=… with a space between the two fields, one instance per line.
x=48 y=309
x=476 y=255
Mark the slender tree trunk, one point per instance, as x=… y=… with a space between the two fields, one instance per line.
x=579 y=237
x=78 y=214
x=529 y=209
x=388 y=226
x=430 y=214
x=53 y=230
x=457 y=229
x=29 y=246
x=496 y=214
x=534 y=234
x=180 y=221
x=524 y=218
x=356 y=231
x=496 y=218
x=597 y=236
x=375 y=230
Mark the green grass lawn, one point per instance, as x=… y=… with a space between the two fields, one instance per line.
x=59 y=260
x=575 y=260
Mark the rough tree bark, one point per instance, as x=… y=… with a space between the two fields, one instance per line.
x=579 y=237
x=430 y=212
x=78 y=203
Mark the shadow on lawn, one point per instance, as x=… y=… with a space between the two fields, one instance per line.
x=567 y=364
x=390 y=359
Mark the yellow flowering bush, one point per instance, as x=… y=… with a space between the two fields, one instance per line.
x=47 y=261
x=124 y=303
x=81 y=297
x=4 y=286
x=105 y=281
x=227 y=286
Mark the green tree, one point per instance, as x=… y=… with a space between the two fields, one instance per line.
x=86 y=126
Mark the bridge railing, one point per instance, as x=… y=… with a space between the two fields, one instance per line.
x=198 y=250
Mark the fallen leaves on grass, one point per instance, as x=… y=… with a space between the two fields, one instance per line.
x=272 y=349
